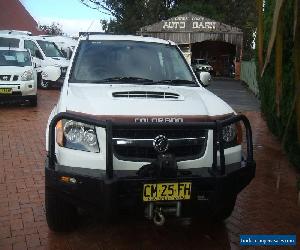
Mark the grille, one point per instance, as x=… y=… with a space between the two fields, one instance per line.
x=184 y=143
x=146 y=94
x=4 y=77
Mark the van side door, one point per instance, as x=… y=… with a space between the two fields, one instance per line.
x=37 y=56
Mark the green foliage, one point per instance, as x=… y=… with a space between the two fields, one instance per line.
x=130 y=15
x=53 y=29
x=241 y=14
x=267 y=83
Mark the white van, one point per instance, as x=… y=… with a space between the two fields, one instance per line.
x=18 y=79
x=64 y=43
x=46 y=57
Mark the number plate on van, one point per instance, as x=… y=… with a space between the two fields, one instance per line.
x=167 y=191
x=5 y=91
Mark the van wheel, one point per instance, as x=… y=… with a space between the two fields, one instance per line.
x=44 y=84
x=33 y=101
x=61 y=215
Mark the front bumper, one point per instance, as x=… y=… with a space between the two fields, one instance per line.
x=17 y=96
x=19 y=88
x=124 y=192
x=110 y=190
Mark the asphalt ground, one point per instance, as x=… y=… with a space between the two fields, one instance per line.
x=267 y=206
x=236 y=94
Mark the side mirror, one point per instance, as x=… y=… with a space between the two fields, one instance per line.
x=38 y=54
x=70 y=54
x=197 y=73
x=204 y=77
x=65 y=53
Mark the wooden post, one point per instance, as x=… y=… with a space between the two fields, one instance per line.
x=260 y=34
x=278 y=61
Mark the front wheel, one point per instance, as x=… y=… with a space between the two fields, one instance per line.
x=61 y=215
x=33 y=101
x=221 y=210
x=44 y=84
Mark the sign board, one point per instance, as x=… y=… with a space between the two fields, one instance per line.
x=189 y=22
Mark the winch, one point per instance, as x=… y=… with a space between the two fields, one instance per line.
x=157 y=211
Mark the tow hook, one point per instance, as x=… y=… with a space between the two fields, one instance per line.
x=157 y=211
x=158 y=218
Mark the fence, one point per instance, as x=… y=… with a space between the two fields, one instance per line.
x=248 y=75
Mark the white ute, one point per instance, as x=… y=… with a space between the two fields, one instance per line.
x=134 y=132
x=18 y=78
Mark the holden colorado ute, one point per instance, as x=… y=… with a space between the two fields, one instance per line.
x=135 y=132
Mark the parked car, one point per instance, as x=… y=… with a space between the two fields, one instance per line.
x=18 y=78
x=201 y=65
x=44 y=53
x=65 y=44
x=135 y=132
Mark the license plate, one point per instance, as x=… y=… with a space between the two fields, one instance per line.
x=167 y=191
x=5 y=91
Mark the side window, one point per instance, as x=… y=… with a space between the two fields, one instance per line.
x=32 y=47
x=176 y=70
x=9 y=42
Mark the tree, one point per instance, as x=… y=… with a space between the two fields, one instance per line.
x=54 y=29
x=128 y=16
x=241 y=14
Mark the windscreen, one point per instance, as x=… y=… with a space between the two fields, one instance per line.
x=14 y=58
x=9 y=42
x=50 y=49
x=98 y=61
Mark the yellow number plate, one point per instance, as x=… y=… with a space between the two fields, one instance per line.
x=5 y=91
x=167 y=191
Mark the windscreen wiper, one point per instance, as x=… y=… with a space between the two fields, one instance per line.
x=177 y=82
x=127 y=79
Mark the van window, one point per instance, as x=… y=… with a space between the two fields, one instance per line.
x=9 y=42
x=50 y=49
x=31 y=46
x=14 y=58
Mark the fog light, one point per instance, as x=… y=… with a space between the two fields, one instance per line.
x=73 y=180
x=68 y=179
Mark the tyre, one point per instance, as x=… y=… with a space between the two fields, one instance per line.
x=222 y=210
x=43 y=84
x=33 y=101
x=61 y=215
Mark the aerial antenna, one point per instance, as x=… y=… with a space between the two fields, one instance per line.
x=88 y=30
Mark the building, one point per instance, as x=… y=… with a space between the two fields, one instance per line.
x=200 y=37
x=14 y=16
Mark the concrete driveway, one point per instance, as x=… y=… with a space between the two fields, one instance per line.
x=236 y=94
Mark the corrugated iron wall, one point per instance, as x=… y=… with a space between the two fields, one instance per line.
x=248 y=75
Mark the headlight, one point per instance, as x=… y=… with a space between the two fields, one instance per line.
x=77 y=135
x=27 y=75
x=230 y=136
